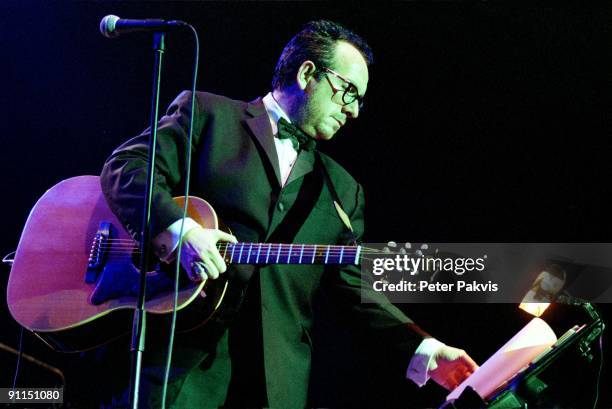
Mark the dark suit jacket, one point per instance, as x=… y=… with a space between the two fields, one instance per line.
x=235 y=168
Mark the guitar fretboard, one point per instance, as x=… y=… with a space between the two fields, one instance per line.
x=277 y=253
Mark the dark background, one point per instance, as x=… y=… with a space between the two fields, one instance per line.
x=483 y=122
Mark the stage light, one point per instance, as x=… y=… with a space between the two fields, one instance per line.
x=544 y=290
x=534 y=308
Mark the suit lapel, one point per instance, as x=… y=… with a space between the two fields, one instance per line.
x=259 y=123
x=303 y=165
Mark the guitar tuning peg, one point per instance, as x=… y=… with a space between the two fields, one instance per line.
x=408 y=245
x=424 y=246
x=402 y=251
x=418 y=253
x=392 y=244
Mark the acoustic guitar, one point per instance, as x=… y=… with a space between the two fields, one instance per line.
x=75 y=264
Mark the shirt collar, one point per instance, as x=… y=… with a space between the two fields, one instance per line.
x=275 y=112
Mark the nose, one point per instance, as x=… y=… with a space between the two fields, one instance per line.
x=351 y=110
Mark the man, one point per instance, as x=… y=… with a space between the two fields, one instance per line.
x=268 y=187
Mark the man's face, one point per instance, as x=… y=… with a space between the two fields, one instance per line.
x=321 y=115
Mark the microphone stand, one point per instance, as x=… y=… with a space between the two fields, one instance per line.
x=139 y=323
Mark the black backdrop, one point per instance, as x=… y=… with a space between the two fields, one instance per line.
x=483 y=122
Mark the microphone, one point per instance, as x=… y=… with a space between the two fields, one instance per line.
x=112 y=26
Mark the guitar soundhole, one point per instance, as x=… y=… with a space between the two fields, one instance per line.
x=155 y=267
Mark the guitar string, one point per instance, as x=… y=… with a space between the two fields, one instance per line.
x=281 y=261
x=222 y=246
x=231 y=244
x=127 y=244
x=269 y=244
x=283 y=256
x=266 y=246
x=273 y=250
x=287 y=252
x=132 y=242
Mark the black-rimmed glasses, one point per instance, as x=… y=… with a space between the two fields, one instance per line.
x=344 y=96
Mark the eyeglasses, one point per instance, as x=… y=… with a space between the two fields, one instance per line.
x=344 y=96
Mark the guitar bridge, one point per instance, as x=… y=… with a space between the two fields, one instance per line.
x=97 y=254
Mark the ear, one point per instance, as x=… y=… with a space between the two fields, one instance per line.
x=305 y=73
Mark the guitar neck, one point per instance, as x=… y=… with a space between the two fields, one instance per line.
x=280 y=253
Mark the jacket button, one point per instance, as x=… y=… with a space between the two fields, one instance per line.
x=281 y=206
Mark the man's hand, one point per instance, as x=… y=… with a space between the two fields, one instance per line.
x=199 y=255
x=450 y=366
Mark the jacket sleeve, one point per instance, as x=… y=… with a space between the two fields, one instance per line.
x=124 y=174
x=371 y=309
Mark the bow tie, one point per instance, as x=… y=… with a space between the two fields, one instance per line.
x=298 y=138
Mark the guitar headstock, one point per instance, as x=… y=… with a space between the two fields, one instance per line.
x=413 y=250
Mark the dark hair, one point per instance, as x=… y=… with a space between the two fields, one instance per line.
x=316 y=42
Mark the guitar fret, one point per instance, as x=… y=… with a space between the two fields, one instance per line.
x=327 y=254
x=240 y=254
x=268 y=255
x=341 y=253
x=289 y=255
x=301 y=254
x=232 y=256
x=280 y=246
x=225 y=251
x=249 y=255
x=258 y=253
x=314 y=253
x=357 y=254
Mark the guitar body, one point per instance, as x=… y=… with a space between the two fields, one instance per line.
x=75 y=263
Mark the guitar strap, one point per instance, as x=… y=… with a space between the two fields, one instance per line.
x=352 y=239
